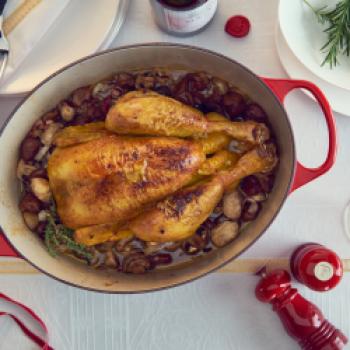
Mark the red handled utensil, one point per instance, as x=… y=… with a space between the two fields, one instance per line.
x=302 y=320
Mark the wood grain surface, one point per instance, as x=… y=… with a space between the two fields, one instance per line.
x=17 y=266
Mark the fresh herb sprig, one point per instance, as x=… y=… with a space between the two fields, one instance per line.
x=59 y=237
x=338 y=30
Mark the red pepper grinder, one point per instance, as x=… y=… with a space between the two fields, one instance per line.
x=302 y=320
x=316 y=266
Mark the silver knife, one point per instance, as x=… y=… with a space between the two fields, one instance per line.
x=4 y=46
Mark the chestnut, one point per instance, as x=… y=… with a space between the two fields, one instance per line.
x=251 y=186
x=29 y=148
x=255 y=112
x=30 y=203
x=234 y=104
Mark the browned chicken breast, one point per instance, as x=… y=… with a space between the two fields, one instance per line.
x=112 y=179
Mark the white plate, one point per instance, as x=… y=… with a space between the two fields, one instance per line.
x=338 y=98
x=84 y=27
x=305 y=37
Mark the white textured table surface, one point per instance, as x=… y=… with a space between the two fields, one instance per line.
x=218 y=311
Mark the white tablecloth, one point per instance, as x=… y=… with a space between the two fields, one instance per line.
x=218 y=311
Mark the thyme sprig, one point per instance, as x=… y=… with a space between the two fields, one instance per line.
x=338 y=30
x=59 y=238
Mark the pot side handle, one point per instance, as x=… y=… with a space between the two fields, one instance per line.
x=5 y=248
x=281 y=88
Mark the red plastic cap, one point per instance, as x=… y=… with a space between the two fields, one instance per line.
x=272 y=285
x=317 y=267
x=237 y=26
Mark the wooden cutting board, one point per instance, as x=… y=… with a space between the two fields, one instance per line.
x=18 y=266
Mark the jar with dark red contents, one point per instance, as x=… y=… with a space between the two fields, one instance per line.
x=183 y=17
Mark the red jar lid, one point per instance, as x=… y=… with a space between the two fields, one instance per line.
x=316 y=266
x=238 y=26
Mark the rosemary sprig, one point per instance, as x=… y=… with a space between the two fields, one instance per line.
x=338 y=30
x=50 y=239
x=59 y=237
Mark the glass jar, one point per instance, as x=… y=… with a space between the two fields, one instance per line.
x=183 y=17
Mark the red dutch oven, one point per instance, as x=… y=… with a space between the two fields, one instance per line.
x=18 y=241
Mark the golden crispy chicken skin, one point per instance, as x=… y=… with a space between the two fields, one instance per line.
x=156 y=187
x=148 y=113
x=221 y=160
x=72 y=135
x=112 y=179
x=180 y=215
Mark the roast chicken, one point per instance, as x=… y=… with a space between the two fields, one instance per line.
x=155 y=169
x=148 y=113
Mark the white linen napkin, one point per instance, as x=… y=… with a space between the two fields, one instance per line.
x=28 y=33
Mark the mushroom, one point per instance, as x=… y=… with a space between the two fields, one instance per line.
x=48 y=135
x=24 y=169
x=259 y=197
x=31 y=220
x=111 y=260
x=233 y=205
x=251 y=209
x=102 y=90
x=220 y=85
x=98 y=258
x=42 y=153
x=67 y=112
x=224 y=233
x=136 y=263
x=41 y=188
x=125 y=245
x=43 y=215
x=80 y=95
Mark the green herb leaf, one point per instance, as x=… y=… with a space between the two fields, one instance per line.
x=50 y=241
x=338 y=30
x=59 y=237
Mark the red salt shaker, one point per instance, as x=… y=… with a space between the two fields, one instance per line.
x=302 y=320
x=316 y=266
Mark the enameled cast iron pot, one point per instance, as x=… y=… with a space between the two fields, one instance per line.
x=269 y=93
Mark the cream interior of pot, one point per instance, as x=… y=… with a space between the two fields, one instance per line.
x=91 y=70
